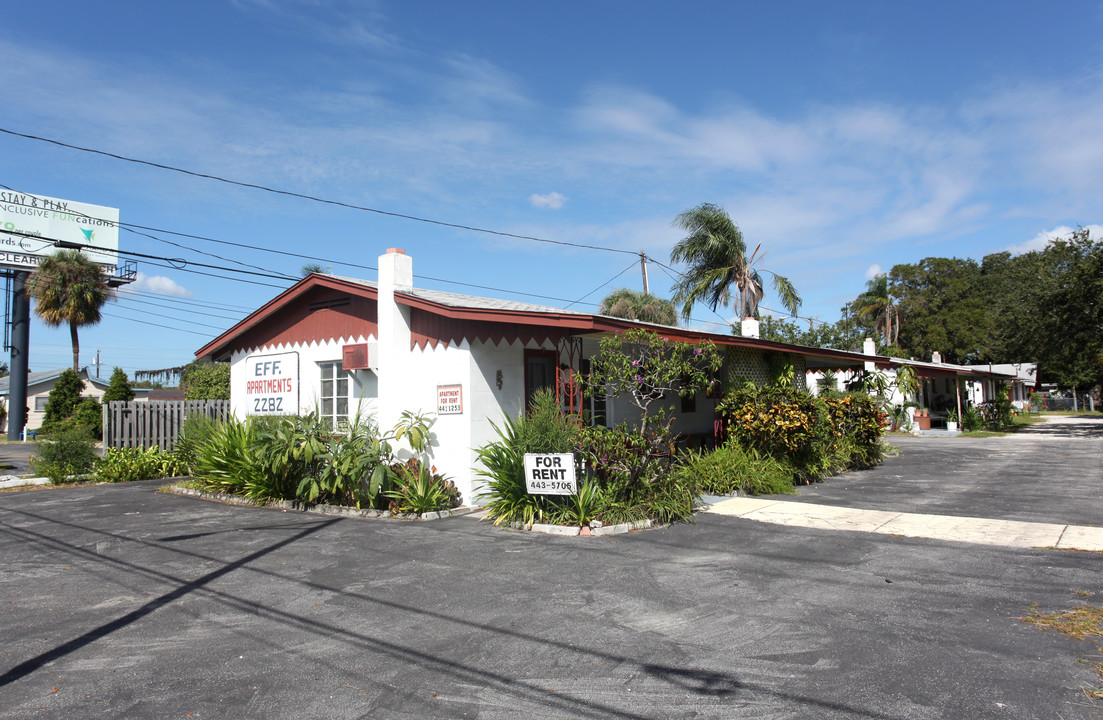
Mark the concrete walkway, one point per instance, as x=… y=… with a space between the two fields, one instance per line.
x=1008 y=533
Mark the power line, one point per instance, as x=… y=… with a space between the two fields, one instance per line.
x=312 y=198
x=170 y=327
x=152 y=303
x=579 y=301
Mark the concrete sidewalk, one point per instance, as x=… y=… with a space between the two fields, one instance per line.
x=984 y=531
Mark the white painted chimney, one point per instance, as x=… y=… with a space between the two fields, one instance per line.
x=869 y=348
x=936 y=357
x=749 y=328
x=396 y=273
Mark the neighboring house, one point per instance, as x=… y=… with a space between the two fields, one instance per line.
x=1023 y=382
x=340 y=346
x=39 y=385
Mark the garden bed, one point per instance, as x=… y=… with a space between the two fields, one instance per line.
x=319 y=508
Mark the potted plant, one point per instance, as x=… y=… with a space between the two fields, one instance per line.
x=923 y=418
x=951 y=421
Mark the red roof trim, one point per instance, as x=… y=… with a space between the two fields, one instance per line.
x=221 y=344
x=576 y=323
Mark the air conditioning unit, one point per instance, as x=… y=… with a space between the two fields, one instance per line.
x=355 y=357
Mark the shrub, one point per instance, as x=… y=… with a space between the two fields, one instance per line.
x=65 y=456
x=730 y=468
x=628 y=472
x=506 y=496
x=784 y=423
x=418 y=488
x=857 y=426
x=814 y=436
x=127 y=464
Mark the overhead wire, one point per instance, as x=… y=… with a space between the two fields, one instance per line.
x=579 y=301
x=312 y=198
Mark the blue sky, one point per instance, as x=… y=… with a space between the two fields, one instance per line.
x=845 y=137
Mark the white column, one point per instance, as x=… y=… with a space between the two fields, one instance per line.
x=396 y=272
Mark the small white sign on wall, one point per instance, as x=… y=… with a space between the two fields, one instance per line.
x=550 y=474
x=272 y=384
x=449 y=400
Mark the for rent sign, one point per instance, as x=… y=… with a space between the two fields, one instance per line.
x=449 y=399
x=272 y=384
x=550 y=474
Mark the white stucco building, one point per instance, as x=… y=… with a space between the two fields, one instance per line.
x=341 y=346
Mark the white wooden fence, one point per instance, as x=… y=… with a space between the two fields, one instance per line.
x=155 y=422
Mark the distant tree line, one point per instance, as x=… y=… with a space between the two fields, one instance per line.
x=1044 y=306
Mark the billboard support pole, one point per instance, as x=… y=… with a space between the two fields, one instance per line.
x=20 y=346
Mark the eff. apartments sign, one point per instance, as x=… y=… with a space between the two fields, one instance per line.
x=272 y=384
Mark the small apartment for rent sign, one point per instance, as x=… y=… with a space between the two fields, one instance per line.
x=272 y=384
x=449 y=400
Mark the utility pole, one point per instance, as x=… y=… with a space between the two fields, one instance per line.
x=20 y=344
x=97 y=363
x=643 y=269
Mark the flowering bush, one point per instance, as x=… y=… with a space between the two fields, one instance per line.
x=816 y=436
x=644 y=367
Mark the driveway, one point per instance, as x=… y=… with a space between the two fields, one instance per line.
x=1049 y=472
x=122 y=602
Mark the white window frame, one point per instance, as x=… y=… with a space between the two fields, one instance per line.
x=332 y=378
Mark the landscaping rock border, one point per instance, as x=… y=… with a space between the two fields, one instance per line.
x=320 y=509
x=594 y=529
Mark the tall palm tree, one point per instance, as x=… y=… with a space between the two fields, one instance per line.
x=637 y=305
x=67 y=287
x=875 y=306
x=717 y=260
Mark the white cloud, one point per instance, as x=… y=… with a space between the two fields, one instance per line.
x=551 y=200
x=158 y=284
x=873 y=271
x=1039 y=241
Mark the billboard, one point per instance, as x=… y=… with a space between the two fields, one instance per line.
x=30 y=224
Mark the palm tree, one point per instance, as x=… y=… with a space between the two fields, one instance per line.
x=718 y=262
x=67 y=287
x=875 y=306
x=636 y=305
x=315 y=269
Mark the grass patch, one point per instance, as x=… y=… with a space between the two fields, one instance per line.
x=1080 y=623
x=983 y=434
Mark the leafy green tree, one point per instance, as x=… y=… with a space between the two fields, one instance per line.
x=718 y=265
x=62 y=401
x=637 y=305
x=1064 y=331
x=68 y=288
x=839 y=335
x=119 y=388
x=940 y=300
x=206 y=381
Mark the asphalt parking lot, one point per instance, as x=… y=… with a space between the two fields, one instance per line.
x=122 y=602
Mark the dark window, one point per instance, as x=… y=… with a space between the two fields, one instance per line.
x=539 y=373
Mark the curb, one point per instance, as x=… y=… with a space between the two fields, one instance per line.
x=578 y=531
x=320 y=509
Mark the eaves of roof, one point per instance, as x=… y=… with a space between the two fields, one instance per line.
x=473 y=308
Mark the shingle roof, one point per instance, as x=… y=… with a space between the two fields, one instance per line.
x=475 y=302
x=45 y=376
